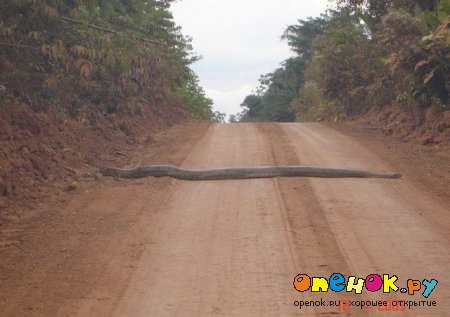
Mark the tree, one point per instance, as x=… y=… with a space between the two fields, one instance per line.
x=375 y=9
x=252 y=108
x=193 y=97
x=345 y=66
x=233 y=118
x=272 y=100
x=219 y=117
x=77 y=54
x=281 y=90
x=300 y=36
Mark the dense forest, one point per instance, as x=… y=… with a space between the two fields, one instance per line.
x=361 y=55
x=83 y=83
x=71 y=55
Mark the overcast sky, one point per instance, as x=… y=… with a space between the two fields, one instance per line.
x=239 y=41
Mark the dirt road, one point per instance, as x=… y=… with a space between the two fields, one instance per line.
x=162 y=247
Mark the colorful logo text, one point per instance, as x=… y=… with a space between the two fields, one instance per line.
x=372 y=283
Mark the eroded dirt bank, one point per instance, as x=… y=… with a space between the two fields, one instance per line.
x=44 y=153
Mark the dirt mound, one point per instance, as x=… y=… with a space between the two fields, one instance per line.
x=425 y=126
x=46 y=151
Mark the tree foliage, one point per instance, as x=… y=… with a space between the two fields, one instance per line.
x=375 y=9
x=271 y=101
x=418 y=46
x=345 y=66
x=74 y=54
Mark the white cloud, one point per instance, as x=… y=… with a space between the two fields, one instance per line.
x=239 y=41
x=228 y=100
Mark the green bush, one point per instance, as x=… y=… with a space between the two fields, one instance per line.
x=76 y=54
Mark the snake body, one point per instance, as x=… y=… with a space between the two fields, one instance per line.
x=241 y=172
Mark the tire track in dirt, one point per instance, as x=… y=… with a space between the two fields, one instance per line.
x=304 y=212
x=223 y=243
x=381 y=226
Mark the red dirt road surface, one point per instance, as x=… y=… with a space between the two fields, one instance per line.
x=164 y=247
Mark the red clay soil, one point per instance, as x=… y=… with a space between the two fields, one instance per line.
x=43 y=153
x=413 y=135
x=410 y=123
x=117 y=247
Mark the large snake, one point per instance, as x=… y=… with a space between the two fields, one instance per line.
x=241 y=172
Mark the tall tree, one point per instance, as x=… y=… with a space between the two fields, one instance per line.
x=74 y=54
x=377 y=8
